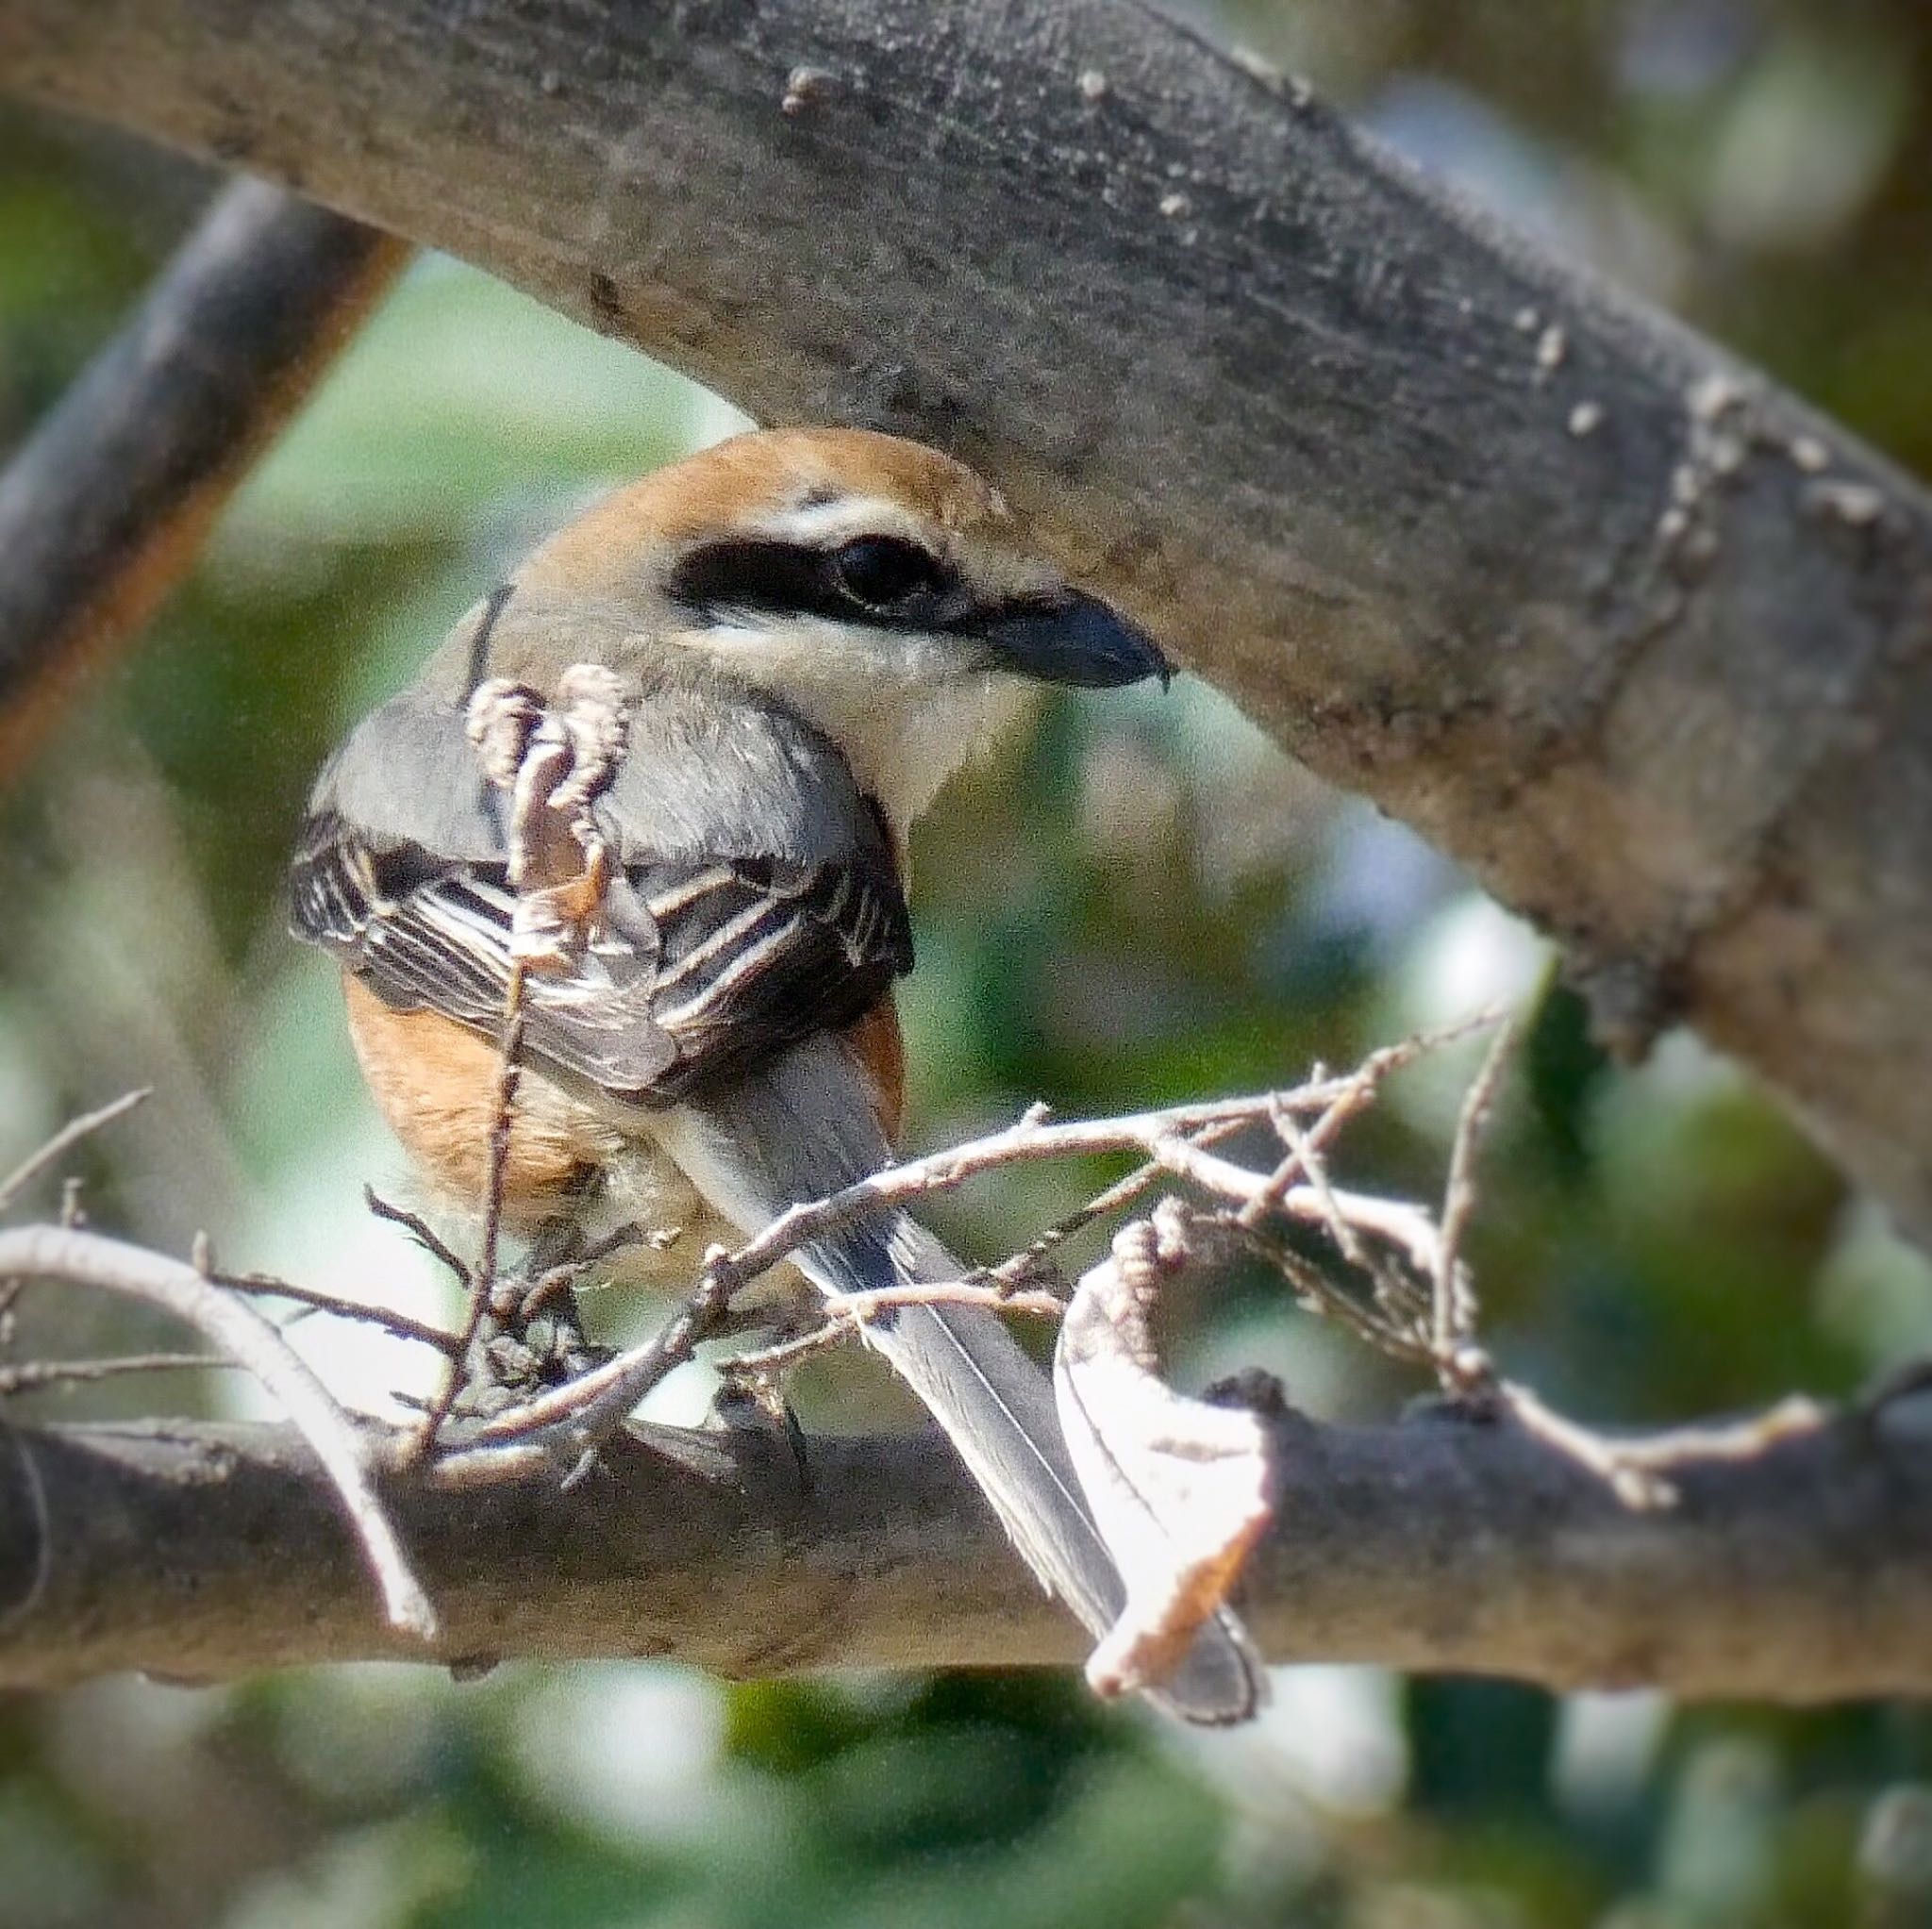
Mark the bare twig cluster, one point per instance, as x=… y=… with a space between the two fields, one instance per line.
x=1386 y=1257
x=524 y=1453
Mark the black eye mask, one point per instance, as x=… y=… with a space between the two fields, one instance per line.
x=878 y=580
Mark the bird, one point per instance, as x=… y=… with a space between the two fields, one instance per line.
x=813 y=629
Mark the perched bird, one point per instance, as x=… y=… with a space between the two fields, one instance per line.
x=815 y=629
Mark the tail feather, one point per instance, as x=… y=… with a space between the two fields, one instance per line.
x=995 y=1404
x=997 y=1409
x=802 y=1129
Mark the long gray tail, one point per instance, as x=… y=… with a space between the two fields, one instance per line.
x=997 y=1409
x=791 y=1133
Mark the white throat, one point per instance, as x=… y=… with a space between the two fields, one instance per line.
x=905 y=722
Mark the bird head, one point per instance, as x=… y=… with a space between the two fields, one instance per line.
x=875 y=586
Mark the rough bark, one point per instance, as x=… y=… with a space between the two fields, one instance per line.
x=1614 y=622
x=1796 y=1573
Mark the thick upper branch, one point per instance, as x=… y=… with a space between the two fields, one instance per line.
x=1633 y=635
x=1803 y=1571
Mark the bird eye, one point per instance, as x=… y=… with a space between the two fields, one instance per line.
x=880 y=571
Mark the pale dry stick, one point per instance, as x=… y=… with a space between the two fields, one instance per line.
x=568 y=1272
x=1395 y=1220
x=69 y=1135
x=598 y=1400
x=1177 y=1129
x=1358 y=1091
x=84 y=1258
x=1790 y=1418
x=1306 y=1148
x=1305 y=1155
x=1462 y=1365
x=858 y=1307
x=577 y=1415
x=22 y=1175
x=1301 y=1160
x=509 y=1076
x=1027 y=1261
x=571 y=1420
x=766 y=1363
x=1116 y=1198
x=35 y=1376
x=1638 y=1470
x=1641 y=1487
x=846 y=1315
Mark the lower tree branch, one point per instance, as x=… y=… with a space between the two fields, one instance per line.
x=1795 y=1565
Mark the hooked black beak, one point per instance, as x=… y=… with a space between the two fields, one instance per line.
x=1069 y=637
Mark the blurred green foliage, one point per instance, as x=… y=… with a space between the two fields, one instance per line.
x=1141 y=901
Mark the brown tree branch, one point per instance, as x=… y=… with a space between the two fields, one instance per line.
x=105 y=506
x=1612 y=620
x=1798 y=1571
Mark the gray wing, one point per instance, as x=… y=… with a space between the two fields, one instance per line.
x=756 y=904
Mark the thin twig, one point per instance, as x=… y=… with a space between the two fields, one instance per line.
x=1116 y=1198
x=1306 y=1149
x=1169 y=1136
x=861 y=1307
x=595 y=1402
x=1316 y=1290
x=1026 y=1263
x=509 y=1072
x=482 y=1281
x=1453 y=1297
x=23 y=1175
x=313 y=1299
x=1641 y=1487
x=83 y=1258
x=63 y=1141
x=767 y=1362
x=420 y=1230
x=32 y=1375
x=564 y=1277
x=1174 y=1139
